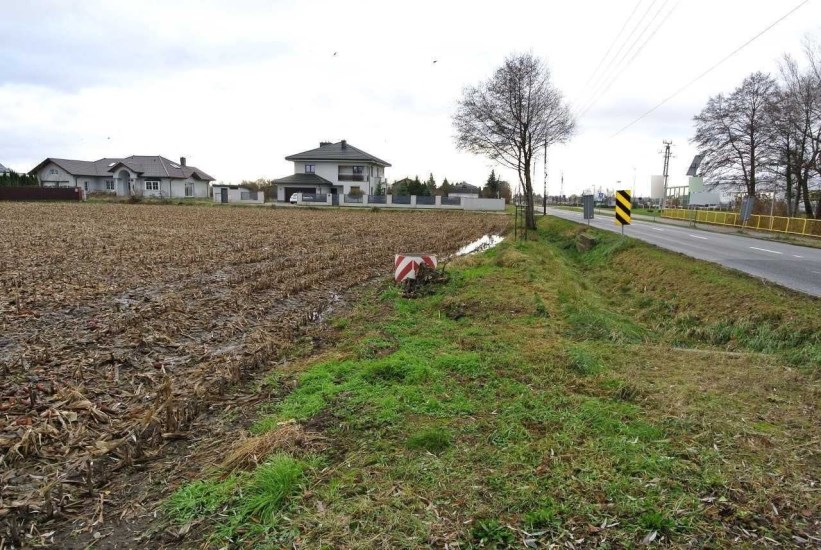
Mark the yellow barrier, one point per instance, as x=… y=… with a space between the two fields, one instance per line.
x=778 y=224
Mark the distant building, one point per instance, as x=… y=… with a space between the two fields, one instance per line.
x=226 y=193
x=149 y=176
x=397 y=185
x=332 y=168
x=4 y=170
x=464 y=190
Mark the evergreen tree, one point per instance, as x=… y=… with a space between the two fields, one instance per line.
x=417 y=188
x=445 y=189
x=492 y=189
x=13 y=179
x=430 y=186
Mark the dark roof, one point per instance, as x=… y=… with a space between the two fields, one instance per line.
x=303 y=179
x=161 y=167
x=693 y=170
x=3 y=169
x=146 y=166
x=337 y=151
x=464 y=188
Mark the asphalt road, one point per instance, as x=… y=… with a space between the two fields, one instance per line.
x=795 y=267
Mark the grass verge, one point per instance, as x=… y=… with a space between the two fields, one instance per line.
x=545 y=396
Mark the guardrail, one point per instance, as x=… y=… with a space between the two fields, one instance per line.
x=777 y=224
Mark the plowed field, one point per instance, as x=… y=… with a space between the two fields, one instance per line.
x=119 y=322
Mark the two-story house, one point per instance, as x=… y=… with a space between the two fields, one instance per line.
x=148 y=176
x=333 y=168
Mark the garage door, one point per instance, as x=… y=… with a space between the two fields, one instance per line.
x=291 y=190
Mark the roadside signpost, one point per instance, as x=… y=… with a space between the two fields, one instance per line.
x=747 y=208
x=588 y=207
x=623 y=205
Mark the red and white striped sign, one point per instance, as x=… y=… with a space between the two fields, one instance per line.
x=408 y=264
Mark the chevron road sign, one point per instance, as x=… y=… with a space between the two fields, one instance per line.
x=408 y=264
x=623 y=205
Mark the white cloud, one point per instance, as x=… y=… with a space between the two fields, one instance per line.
x=237 y=86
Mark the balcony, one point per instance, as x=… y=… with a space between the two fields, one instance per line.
x=352 y=177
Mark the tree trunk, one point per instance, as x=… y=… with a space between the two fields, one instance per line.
x=788 y=177
x=797 y=200
x=805 y=191
x=530 y=217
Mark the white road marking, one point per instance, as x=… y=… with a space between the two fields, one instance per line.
x=797 y=256
x=656 y=229
x=817 y=272
x=765 y=250
x=697 y=237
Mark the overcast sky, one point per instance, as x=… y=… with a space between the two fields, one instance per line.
x=237 y=85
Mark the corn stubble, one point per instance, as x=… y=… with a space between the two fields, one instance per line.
x=120 y=323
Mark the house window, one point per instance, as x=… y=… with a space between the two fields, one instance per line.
x=189 y=189
x=310 y=168
x=85 y=185
x=355 y=190
x=358 y=170
x=52 y=171
x=109 y=185
x=152 y=185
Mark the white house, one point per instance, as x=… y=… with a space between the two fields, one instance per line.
x=149 y=176
x=333 y=168
x=224 y=193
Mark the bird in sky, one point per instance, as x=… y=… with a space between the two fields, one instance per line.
x=436 y=61
x=335 y=54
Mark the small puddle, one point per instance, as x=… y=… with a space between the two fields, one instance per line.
x=480 y=245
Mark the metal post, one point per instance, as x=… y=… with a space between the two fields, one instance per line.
x=666 y=173
x=544 y=191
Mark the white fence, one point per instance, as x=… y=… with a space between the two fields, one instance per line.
x=412 y=201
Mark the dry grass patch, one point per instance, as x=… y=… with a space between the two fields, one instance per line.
x=289 y=438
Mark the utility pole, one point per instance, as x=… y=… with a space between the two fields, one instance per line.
x=666 y=171
x=544 y=192
x=561 y=188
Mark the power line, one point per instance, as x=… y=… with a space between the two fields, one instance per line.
x=649 y=38
x=613 y=43
x=638 y=51
x=592 y=82
x=620 y=66
x=711 y=69
x=599 y=83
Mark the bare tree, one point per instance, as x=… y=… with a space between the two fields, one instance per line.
x=797 y=121
x=812 y=48
x=513 y=115
x=735 y=133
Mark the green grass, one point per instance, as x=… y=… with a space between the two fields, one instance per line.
x=249 y=503
x=199 y=498
x=432 y=440
x=601 y=396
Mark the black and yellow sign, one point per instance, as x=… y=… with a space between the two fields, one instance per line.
x=623 y=207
